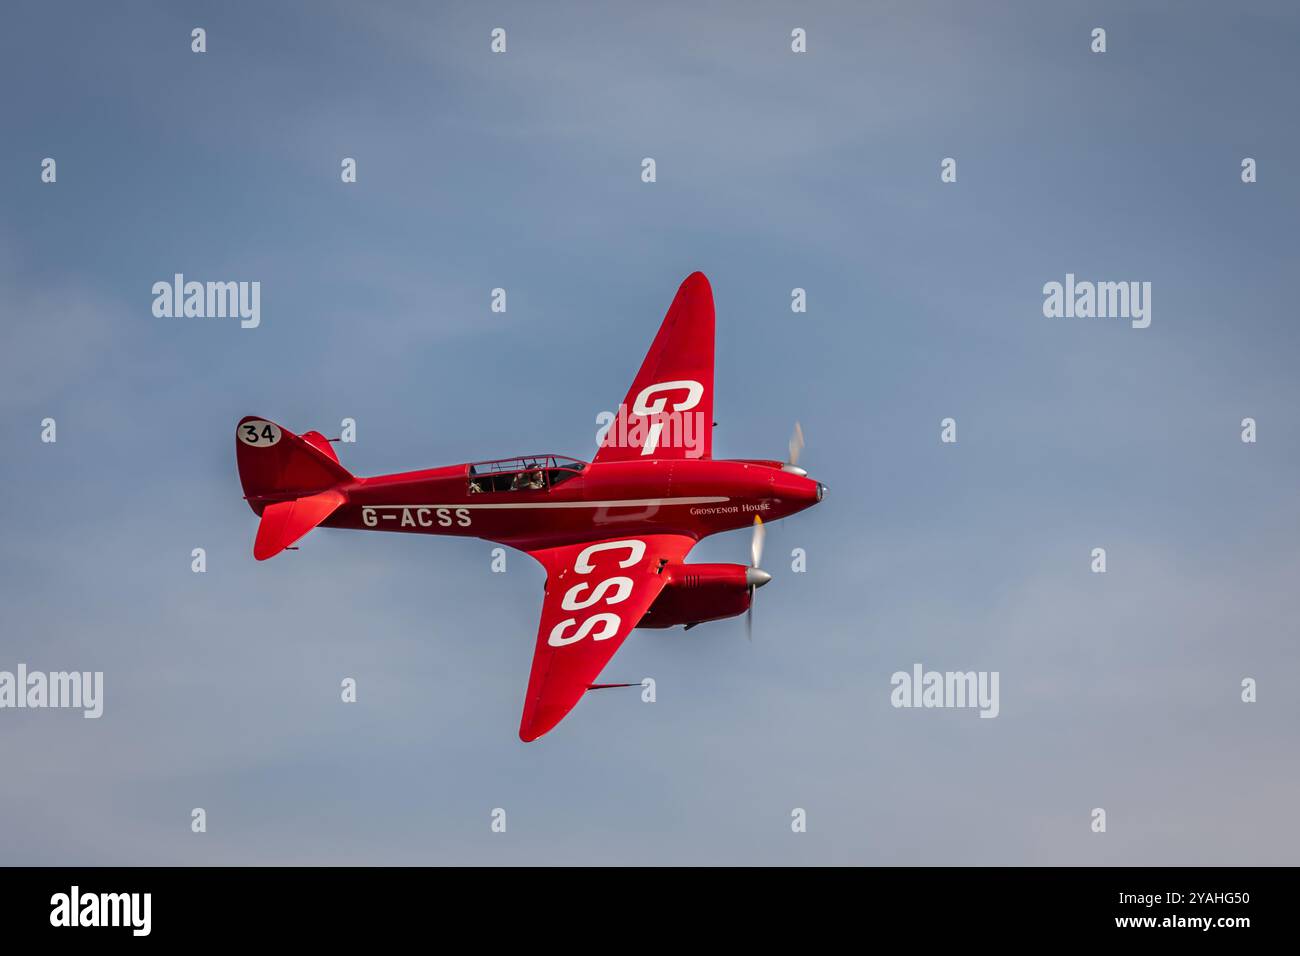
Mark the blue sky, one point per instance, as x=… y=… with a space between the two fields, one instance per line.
x=775 y=171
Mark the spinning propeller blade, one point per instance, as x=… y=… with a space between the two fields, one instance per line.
x=755 y=576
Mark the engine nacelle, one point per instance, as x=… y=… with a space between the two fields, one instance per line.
x=696 y=593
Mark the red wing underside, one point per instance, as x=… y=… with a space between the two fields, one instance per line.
x=668 y=412
x=596 y=592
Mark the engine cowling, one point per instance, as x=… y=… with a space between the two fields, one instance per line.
x=696 y=593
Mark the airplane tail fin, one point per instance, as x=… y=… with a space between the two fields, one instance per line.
x=290 y=480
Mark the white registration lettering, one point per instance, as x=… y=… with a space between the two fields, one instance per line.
x=643 y=407
x=636 y=551
x=609 y=624
x=622 y=585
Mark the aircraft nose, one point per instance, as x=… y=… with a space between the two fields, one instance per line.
x=821 y=491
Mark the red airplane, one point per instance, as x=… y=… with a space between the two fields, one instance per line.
x=612 y=534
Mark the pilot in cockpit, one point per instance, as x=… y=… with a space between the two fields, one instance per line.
x=528 y=480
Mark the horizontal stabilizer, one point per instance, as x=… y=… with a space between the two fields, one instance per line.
x=285 y=522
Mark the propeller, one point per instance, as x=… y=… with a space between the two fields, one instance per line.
x=755 y=576
x=796 y=447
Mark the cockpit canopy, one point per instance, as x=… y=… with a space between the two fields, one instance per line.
x=529 y=473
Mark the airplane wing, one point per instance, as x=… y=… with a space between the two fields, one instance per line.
x=668 y=412
x=596 y=592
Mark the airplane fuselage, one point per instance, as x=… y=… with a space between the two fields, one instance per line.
x=690 y=497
